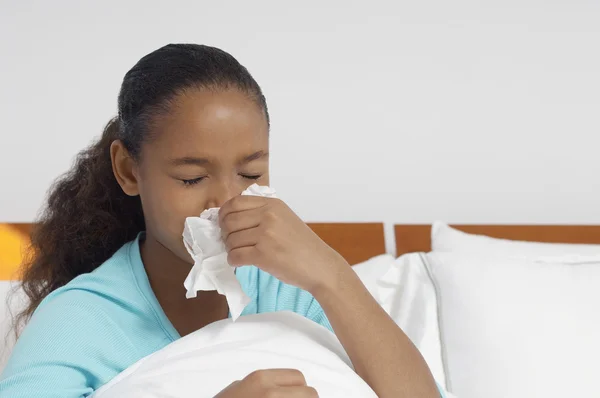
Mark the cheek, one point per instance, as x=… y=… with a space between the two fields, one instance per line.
x=166 y=207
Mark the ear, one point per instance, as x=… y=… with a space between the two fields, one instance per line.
x=124 y=168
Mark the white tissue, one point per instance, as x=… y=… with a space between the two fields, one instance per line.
x=211 y=271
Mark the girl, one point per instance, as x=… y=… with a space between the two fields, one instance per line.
x=106 y=280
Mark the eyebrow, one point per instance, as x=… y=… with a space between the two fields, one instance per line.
x=194 y=161
x=254 y=156
x=189 y=160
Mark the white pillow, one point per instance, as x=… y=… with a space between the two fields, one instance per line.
x=7 y=310
x=447 y=239
x=407 y=293
x=371 y=270
x=518 y=328
x=203 y=363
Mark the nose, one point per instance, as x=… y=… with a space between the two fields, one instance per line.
x=221 y=192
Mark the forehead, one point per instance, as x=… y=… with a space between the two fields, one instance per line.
x=212 y=124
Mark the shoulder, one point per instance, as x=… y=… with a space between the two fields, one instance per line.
x=76 y=314
x=110 y=291
x=71 y=344
x=269 y=294
x=94 y=297
x=83 y=334
x=117 y=294
x=111 y=299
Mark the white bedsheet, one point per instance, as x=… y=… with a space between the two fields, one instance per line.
x=205 y=362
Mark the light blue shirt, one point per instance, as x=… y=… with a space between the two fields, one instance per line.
x=85 y=333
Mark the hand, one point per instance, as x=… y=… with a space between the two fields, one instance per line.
x=275 y=383
x=266 y=233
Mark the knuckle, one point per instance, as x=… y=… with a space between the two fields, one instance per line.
x=270 y=215
x=299 y=376
x=231 y=205
x=296 y=373
x=269 y=233
x=257 y=377
x=262 y=231
x=276 y=201
x=311 y=393
x=235 y=201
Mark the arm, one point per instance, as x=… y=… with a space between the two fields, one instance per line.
x=380 y=352
x=267 y=233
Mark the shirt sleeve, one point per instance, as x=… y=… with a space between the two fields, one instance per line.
x=67 y=350
x=316 y=313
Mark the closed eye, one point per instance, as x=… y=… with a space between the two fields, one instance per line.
x=251 y=177
x=193 y=181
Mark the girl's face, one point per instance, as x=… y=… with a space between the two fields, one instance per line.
x=210 y=147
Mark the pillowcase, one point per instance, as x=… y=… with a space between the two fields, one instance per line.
x=407 y=293
x=371 y=270
x=447 y=239
x=10 y=305
x=518 y=327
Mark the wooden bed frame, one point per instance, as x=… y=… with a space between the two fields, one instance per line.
x=358 y=242
x=417 y=238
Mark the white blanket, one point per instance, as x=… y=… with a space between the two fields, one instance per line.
x=205 y=362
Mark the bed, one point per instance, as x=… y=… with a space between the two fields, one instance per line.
x=363 y=246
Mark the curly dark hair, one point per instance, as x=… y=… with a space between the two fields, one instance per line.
x=88 y=217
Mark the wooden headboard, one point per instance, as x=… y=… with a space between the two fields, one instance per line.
x=357 y=242
x=417 y=237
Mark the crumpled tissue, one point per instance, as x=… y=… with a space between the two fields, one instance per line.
x=211 y=271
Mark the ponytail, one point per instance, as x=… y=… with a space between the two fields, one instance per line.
x=86 y=220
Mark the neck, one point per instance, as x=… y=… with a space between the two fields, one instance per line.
x=166 y=273
x=165 y=270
